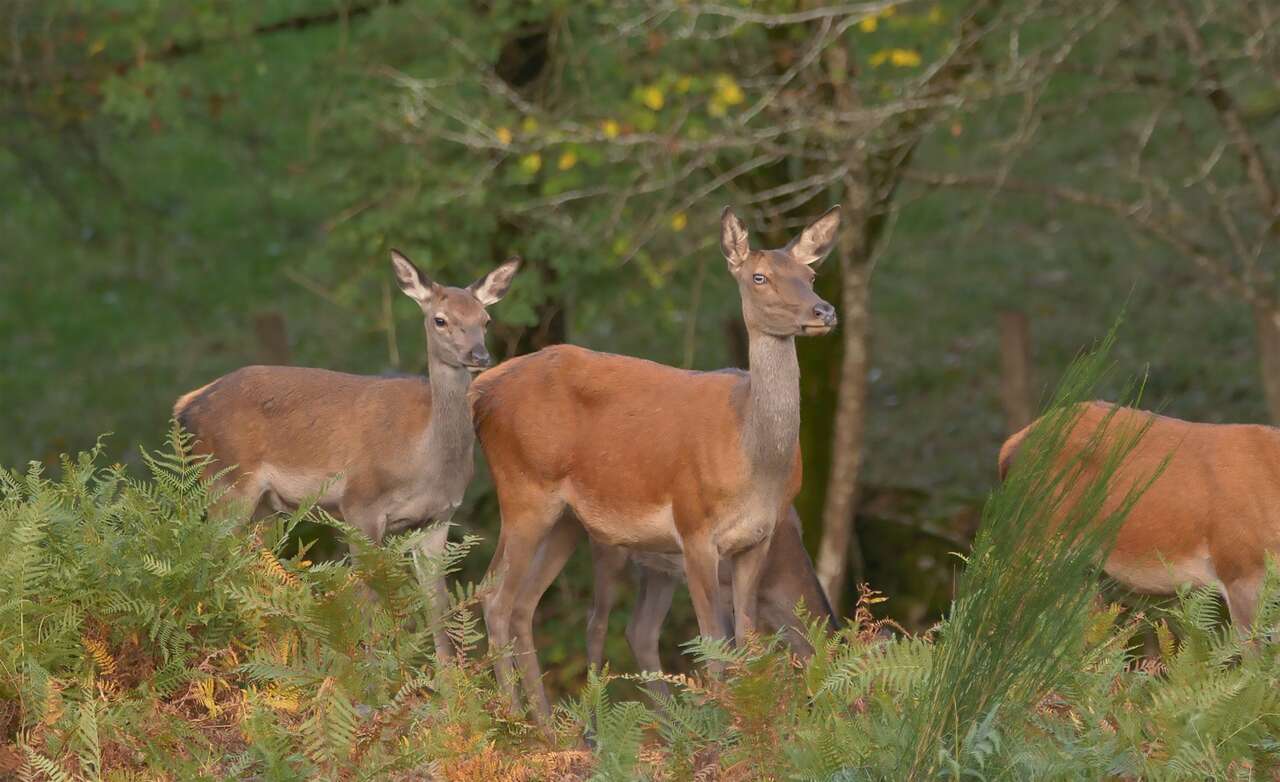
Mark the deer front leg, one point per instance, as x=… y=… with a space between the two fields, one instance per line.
x=428 y=565
x=748 y=564
x=701 y=565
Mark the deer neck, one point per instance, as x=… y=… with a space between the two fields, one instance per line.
x=450 y=437
x=772 y=421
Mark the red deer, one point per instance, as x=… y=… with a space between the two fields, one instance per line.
x=386 y=454
x=700 y=464
x=1209 y=519
x=787 y=578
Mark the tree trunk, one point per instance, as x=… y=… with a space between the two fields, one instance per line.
x=819 y=389
x=1015 y=370
x=839 y=553
x=1266 y=321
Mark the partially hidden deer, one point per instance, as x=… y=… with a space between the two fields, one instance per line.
x=1209 y=519
x=653 y=458
x=386 y=454
x=787 y=579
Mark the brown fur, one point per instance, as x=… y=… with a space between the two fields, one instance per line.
x=1210 y=518
x=386 y=454
x=650 y=457
x=608 y=407
x=787 y=579
x=286 y=417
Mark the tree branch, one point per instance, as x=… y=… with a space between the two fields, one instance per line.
x=177 y=50
x=1214 y=91
x=1146 y=223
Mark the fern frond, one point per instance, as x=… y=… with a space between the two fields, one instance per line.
x=101 y=656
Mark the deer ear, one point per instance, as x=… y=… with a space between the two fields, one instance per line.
x=733 y=239
x=413 y=282
x=814 y=242
x=490 y=288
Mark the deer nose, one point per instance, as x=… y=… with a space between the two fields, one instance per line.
x=480 y=357
x=826 y=312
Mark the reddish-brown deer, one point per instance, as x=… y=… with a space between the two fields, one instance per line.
x=1209 y=519
x=700 y=464
x=386 y=454
x=787 y=579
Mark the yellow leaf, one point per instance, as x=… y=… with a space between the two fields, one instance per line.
x=683 y=84
x=869 y=24
x=531 y=163
x=610 y=128
x=281 y=698
x=504 y=136
x=274 y=567
x=202 y=693
x=529 y=125
x=935 y=14
x=568 y=159
x=1166 y=642
x=728 y=91
x=97 y=46
x=904 y=58
x=678 y=221
x=716 y=107
x=101 y=657
x=653 y=98
x=879 y=58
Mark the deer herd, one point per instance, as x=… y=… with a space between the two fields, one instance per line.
x=682 y=474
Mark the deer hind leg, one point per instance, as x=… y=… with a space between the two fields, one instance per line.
x=653 y=603
x=547 y=564
x=607 y=565
x=236 y=495
x=527 y=519
x=428 y=565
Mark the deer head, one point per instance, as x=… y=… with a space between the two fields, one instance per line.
x=777 y=285
x=455 y=318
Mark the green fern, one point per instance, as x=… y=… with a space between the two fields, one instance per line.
x=617 y=729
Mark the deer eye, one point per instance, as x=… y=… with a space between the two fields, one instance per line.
x=758 y=279
x=439 y=321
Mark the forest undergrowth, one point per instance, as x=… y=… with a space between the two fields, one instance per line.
x=142 y=639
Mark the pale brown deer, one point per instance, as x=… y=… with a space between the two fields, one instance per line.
x=700 y=464
x=386 y=454
x=1209 y=519
x=787 y=579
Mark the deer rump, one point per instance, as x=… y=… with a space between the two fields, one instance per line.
x=1209 y=519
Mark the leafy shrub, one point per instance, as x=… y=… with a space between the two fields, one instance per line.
x=138 y=634
x=140 y=638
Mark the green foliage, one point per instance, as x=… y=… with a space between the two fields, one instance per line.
x=134 y=624
x=1022 y=603
x=140 y=636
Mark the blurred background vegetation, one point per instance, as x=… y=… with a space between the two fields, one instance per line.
x=188 y=187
